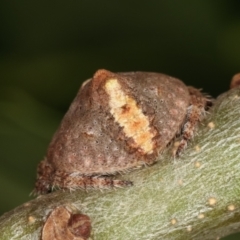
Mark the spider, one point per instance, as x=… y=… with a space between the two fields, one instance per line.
x=119 y=122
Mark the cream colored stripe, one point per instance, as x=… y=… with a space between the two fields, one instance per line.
x=125 y=111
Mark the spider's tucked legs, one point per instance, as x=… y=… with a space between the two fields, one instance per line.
x=62 y=180
x=195 y=113
x=77 y=181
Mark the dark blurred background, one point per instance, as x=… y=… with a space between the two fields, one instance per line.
x=47 y=48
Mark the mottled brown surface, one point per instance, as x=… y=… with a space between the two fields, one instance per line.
x=63 y=225
x=90 y=142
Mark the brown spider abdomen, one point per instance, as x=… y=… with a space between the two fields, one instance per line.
x=116 y=122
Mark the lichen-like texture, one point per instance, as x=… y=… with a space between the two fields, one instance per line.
x=193 y=197
x=118 y=122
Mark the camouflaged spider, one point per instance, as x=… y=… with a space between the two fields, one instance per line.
x=118 y=122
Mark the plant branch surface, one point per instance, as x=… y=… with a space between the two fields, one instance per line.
x=195 y=196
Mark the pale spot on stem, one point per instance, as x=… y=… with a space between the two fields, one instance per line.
x=173 y=221
x=212 y=201
x=31 y=219
x=197 y=148
x=197 y=164
x=211 y=125
x=231 y=207
x=201 y=216
x=189 y=228
x=180 y=182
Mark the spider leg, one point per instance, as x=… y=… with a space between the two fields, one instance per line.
x=48 y=180
x=76 y=181
x=195 y=113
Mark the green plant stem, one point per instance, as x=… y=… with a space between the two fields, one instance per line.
x=196 y=196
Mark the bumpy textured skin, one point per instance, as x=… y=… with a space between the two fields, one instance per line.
x=91 y=142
